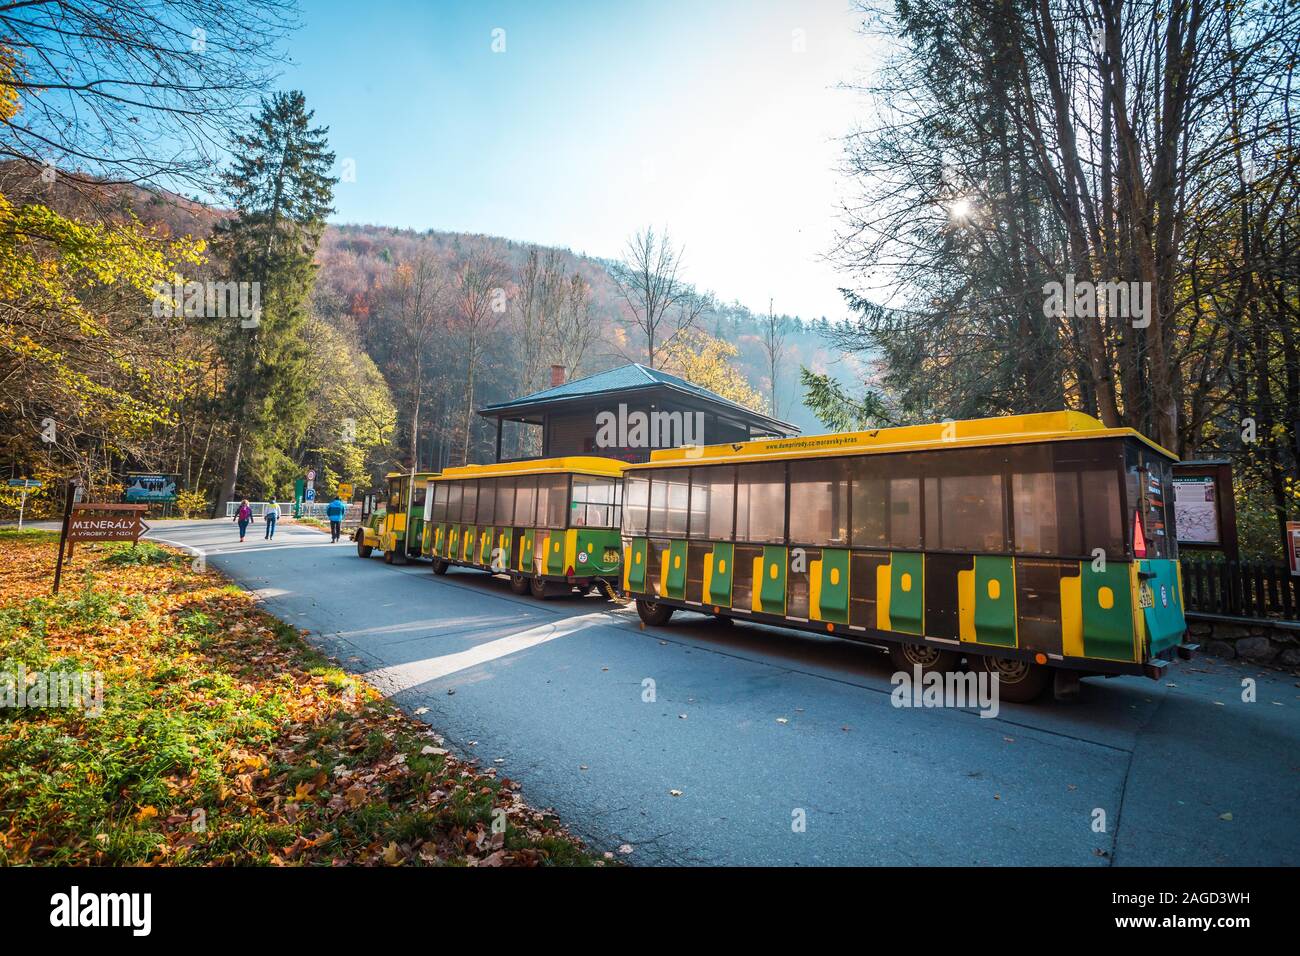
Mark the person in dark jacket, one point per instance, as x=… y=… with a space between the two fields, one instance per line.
x=335 y=511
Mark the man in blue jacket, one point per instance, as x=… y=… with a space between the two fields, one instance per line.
x=335 y=511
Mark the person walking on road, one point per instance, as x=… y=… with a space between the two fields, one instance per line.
x=335 y=511
x=272 y=516
x=243 y=515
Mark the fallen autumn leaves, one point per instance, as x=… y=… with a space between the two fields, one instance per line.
x=224 y=738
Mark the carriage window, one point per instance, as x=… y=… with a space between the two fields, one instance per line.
x=819 y=501
x=668 y=499
x=593 y=503
x=418 y=500
x=964 y=513
x=1045 y=512
x=713 y=495
x=886 y=511
x=455 y=494
x=760 y=503
x=525 y=502
x=395 y=494
x=504 y=513
x=487 y=499
x=469 y=503
x=636 y=508
x=439 y=513
x=552 y=500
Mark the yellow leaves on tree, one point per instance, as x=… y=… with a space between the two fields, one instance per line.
x=706 y=361
x=72 y=296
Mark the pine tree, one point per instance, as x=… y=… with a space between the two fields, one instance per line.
x=281 y=190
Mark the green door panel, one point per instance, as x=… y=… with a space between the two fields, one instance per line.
x=526 y=552
x=995 y=601
x=907 y=592
x=555 y=554
x=771 y=589
x=637 y=563
x=718 y=592
x=675 y=582
x=833 y=587
x=1107 y=611
x=1165 y=623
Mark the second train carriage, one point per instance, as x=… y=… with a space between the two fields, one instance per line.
x=1024 y=544
x=552 y=524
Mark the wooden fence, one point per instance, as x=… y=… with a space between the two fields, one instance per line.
x=1254 y=589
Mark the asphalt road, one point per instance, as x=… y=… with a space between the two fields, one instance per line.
x=761 y=730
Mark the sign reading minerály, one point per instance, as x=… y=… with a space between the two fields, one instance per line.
x=95 y=521
x=103 y=522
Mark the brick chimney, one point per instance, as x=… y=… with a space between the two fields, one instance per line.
x=557 y=375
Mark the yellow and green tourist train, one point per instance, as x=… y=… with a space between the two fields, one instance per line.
x=1029 y=545
x=551 y=524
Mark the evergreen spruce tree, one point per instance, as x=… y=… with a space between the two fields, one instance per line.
x=281 y=190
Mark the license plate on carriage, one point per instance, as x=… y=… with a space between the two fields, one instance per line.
x=610 y=556
x=1146 y=597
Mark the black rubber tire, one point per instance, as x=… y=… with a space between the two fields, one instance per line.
x=363 y=550
x=904 y=657
x=656 y=615
x=388 y=557
x=1019 y=681
x=518 y=584
x=399 y=556
x=539 y=587
x=440 y=566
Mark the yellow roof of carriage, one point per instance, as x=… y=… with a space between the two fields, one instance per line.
x=1004 y=430
x=580 y=464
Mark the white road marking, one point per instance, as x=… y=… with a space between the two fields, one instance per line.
x=400 y=677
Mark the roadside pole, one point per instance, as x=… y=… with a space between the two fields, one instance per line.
x=63 y=533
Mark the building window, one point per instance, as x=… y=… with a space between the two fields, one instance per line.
x=819 y=501
x=760 y=503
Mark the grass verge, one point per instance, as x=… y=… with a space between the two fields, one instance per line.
x=220 y=736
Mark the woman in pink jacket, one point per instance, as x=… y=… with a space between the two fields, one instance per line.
x=244 y=515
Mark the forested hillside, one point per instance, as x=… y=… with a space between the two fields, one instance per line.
x=408 y=333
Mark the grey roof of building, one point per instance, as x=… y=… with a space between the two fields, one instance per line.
x=631 y=378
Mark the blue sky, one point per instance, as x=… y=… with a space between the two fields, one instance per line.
x=703 y=117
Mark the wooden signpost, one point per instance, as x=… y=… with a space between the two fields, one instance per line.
x=96 y=521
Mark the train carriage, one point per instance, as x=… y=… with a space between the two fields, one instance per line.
x=398 y=529
x=1029 y=545
x=551 y=524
